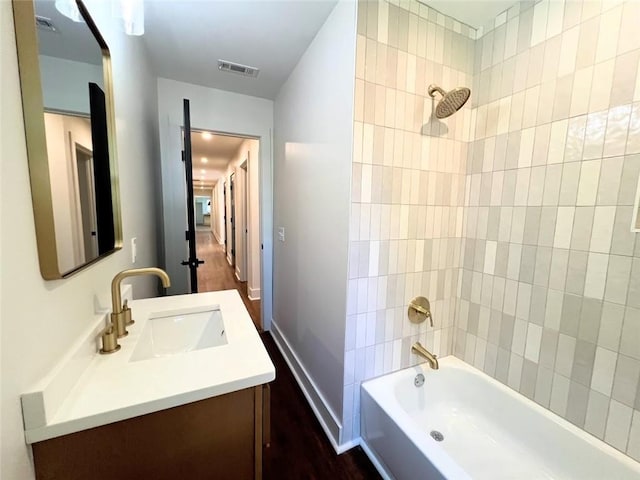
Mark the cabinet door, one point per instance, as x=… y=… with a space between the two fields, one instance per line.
x=212 y=438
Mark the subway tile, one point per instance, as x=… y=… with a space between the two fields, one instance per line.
x=629 y=344
x=607 y=46
x=626 y=379
x=581 y=92
x=633 y=447
x=610 y=177
x=502 y=365
x=596 y=415
x=591 y=9
x=562 y=99
x=569 y=185
x=601 y=89
x=602 y=231
x=528 y=379
x=590 y=318
x=532 y=225
x=572 y=14
x=628 y=38
x=519 y=337
x=569 y=51
x=634 y=284
x=595 y=280
x=558 y=268
x=506 y=331
x=533 y=341
x=564 y=355
x=583 y=359
x=528 y=263
x=574 y=144
x=553 y=312
x=542 y=267
x=604 y=370
x=536 y=185
x=515 y=371
x=577 y=403
x=559 y=394
x=576 y=271
x=611 y=326
x=587 y=43
x=548 y=348
x=629 y=181
x=623 y=239
x=544 y=382
x=618 y=425
x=588 y=185
x=582 y=227
x=618 y=279
x=564 y=227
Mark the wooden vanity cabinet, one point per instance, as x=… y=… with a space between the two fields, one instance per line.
x=216 y=438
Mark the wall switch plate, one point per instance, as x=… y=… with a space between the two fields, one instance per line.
x=281 y=234
x=134 y=250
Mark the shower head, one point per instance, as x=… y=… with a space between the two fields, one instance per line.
x=451 y=101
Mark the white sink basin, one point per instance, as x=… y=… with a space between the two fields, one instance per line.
x=174 y=332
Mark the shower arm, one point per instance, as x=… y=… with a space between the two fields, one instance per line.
x=435 y=88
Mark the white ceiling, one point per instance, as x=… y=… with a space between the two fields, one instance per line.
x=71 y=41
x=218 y=150
x=186 y=38
x=475 y=13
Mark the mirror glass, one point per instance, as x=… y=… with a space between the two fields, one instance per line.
x=77 y=219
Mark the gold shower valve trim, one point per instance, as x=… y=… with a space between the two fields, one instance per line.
x=419 y=310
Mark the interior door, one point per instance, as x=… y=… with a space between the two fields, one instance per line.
x=233 y=219
x=101 y=170
x=192 y=262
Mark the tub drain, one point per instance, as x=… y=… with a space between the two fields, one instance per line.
x=436 y=435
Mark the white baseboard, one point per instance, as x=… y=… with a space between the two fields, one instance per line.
x=375 y=460
x=218 y=239
x=330 y=424
x=253 y=293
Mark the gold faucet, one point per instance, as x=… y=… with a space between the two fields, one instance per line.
x=121 y=314
x=431 y=359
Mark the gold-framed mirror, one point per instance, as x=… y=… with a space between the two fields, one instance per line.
x=67 y=99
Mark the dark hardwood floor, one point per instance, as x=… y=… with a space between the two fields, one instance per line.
x=216 y=274
x=299 y=447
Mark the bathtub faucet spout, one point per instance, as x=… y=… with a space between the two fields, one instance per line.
x=431 y=359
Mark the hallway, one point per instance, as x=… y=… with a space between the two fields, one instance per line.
x=216 y=274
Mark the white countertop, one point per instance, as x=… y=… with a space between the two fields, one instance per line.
x=112 y=388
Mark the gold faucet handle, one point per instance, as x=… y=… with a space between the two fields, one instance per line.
x=126 y=311
x=419 y=310
x=109 y=338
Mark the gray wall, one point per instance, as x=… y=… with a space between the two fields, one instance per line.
x=312 y=173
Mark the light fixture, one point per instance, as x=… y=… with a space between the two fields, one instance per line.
x=130 y=11
x=203 y=171
x=204 y=160
x=206 y=136
x=69 y=8
x=132 y=14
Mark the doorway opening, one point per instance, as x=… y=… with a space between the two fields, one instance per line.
x=226 y=190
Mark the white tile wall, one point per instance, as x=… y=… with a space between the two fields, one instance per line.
x=408 y=189
x=512 y=215
x=564 y=249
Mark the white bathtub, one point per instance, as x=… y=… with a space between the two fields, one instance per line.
x=490 y=431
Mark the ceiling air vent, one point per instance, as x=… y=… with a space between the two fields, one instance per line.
x=237 y=68
x=44 y=23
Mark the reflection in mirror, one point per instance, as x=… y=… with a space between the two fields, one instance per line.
x=75 y=205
